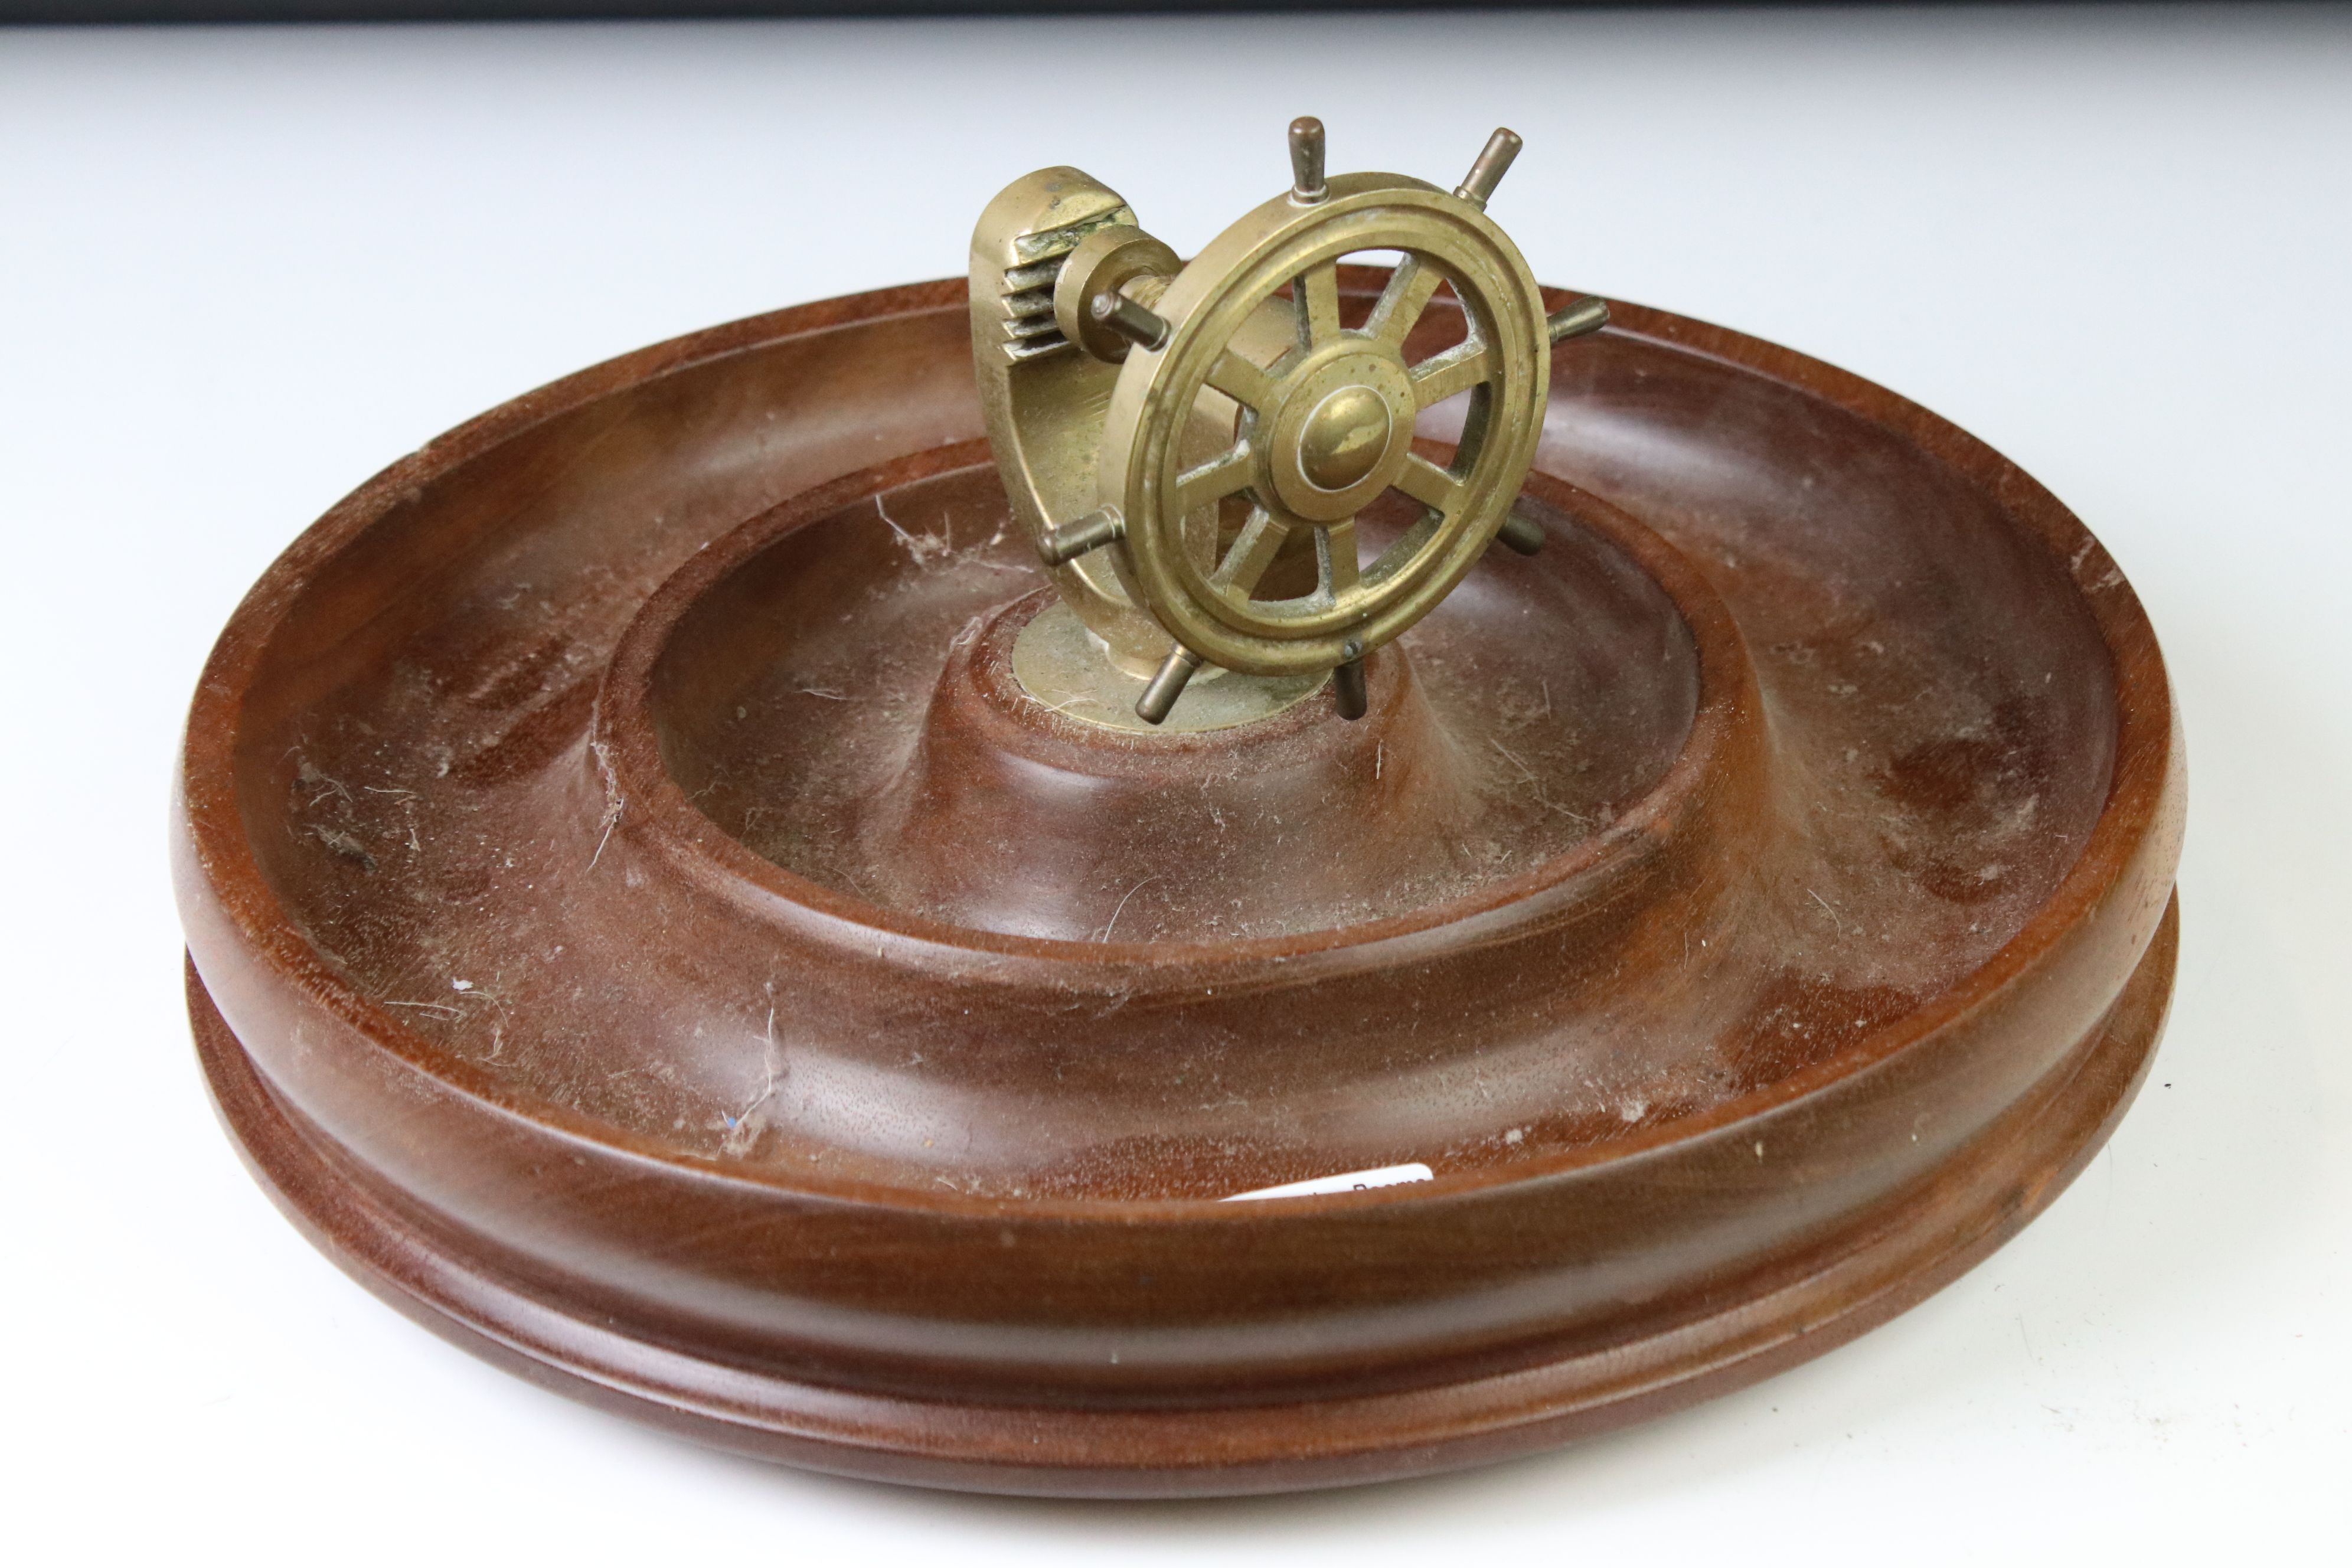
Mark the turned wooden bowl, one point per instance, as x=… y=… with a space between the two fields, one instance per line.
x=641 y=925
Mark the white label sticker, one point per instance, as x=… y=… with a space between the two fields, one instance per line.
x=1345 y=1182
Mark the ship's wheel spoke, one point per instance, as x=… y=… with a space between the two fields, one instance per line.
x=1429 y=485
x=1464 y=366
x=1251 y=552
x=1213 y=480
x=1242 y=381
x=1402 y=301
x=1336 y=570
x=1317 y=296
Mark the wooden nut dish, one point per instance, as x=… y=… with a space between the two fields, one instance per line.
x=676 y=903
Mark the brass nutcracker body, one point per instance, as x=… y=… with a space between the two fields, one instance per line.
x=1190 y=444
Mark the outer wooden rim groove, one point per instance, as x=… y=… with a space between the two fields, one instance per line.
x=1872 y=1275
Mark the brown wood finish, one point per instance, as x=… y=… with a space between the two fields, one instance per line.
x=639 y=926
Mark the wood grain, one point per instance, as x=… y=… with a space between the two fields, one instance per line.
x=646 y=932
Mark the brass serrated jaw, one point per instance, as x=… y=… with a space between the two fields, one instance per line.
x=1190 y=444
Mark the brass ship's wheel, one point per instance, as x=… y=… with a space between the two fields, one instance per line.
x=1313 y=419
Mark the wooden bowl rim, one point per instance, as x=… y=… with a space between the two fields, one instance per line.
x=217 y=850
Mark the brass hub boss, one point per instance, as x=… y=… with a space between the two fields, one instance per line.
x=1337 y=430
x=1344 y=439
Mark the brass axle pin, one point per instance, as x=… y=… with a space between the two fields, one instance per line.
x=1075 y=538
x=1145 y=329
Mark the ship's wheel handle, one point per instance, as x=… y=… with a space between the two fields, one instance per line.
x=1323 y=425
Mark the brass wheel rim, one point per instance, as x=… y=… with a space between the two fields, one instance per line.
x=1353 y=380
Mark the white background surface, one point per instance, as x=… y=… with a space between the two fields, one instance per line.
x=239 y=271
